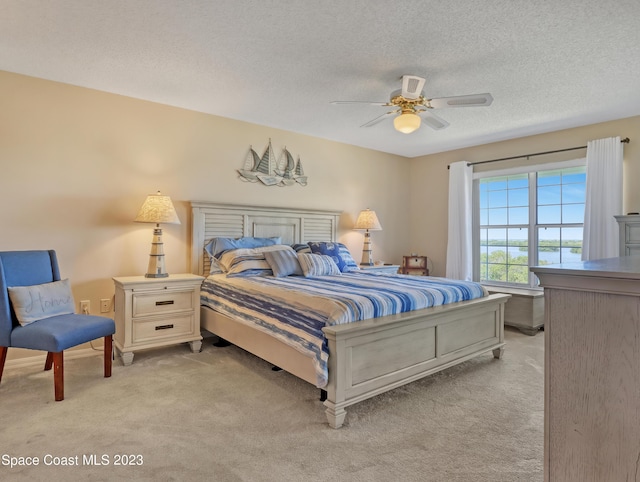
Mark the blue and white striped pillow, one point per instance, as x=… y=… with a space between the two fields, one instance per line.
x=216 y=247
x=247 y=261
x=283 y=262
x=317 y=265
x=347 y=259
x=301 y=248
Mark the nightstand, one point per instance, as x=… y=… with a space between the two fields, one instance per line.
x=154 y=312
x=382 y=268
x=415 y=265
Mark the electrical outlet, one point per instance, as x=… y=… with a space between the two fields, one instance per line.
x=105 y=305
x=85 y=307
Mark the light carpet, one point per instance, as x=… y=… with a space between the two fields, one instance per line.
x=224 y=415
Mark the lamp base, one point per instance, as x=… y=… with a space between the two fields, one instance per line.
x=156 y=258
x=367 y=254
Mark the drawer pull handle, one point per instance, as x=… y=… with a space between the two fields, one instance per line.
x=164 y=327
x=162 y=303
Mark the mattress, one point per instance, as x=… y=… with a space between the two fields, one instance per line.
x=294 y=309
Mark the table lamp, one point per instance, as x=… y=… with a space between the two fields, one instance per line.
x=367 y=221
x=157 y=209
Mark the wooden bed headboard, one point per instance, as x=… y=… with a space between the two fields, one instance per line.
x=293 y=225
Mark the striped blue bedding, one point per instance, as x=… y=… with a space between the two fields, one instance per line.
x=294 y=309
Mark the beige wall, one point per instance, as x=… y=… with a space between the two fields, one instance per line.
x=430 y=176
x=77 y=165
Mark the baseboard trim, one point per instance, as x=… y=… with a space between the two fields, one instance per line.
x=41 y=357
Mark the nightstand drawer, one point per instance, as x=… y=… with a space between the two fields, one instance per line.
x=162 y=328
x=162 y=302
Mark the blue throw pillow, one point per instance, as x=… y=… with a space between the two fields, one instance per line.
x=347 y=259
x=328 y=249
x=338 y=253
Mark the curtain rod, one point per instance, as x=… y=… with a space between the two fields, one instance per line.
x=625 y=140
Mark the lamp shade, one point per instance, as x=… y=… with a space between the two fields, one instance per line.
x=407 y=122
x=157 y=209
x=367 y=219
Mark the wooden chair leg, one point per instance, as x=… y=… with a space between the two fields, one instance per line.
x=108 y=351
x=49 y=362
x=3 y=357
x=58 y=375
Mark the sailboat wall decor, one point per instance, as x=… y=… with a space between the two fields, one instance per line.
x=272 y=172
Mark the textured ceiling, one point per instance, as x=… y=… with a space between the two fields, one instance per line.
x=549 y=64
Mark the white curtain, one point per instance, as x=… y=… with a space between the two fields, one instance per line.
x=459 y=244
x=603 y=199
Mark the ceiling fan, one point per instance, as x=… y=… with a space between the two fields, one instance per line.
x=413 y=107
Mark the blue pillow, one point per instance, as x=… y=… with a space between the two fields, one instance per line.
x=347 y=259
x=338 y=253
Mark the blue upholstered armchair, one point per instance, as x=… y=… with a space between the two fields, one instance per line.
x=37 y=312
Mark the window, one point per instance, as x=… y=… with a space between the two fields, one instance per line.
x=525 y=219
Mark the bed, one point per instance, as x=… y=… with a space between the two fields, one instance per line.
x=366 y=357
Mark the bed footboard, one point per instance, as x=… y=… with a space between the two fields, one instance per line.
x=373 y=356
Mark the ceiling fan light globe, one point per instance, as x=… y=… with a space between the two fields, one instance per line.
x=407 y=122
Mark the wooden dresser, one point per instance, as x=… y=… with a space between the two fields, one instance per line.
x=592 y=370
x=629 y=234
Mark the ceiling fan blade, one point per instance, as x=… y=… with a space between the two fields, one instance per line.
x=412 y=86
x=380 y=118
x=358 y=102
x=461 y=101
x=432 y=120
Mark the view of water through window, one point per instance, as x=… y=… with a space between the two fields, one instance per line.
x=543 y=210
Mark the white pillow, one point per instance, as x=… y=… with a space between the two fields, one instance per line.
x=33 y=303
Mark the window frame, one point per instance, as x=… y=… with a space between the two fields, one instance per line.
x=532 y=251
